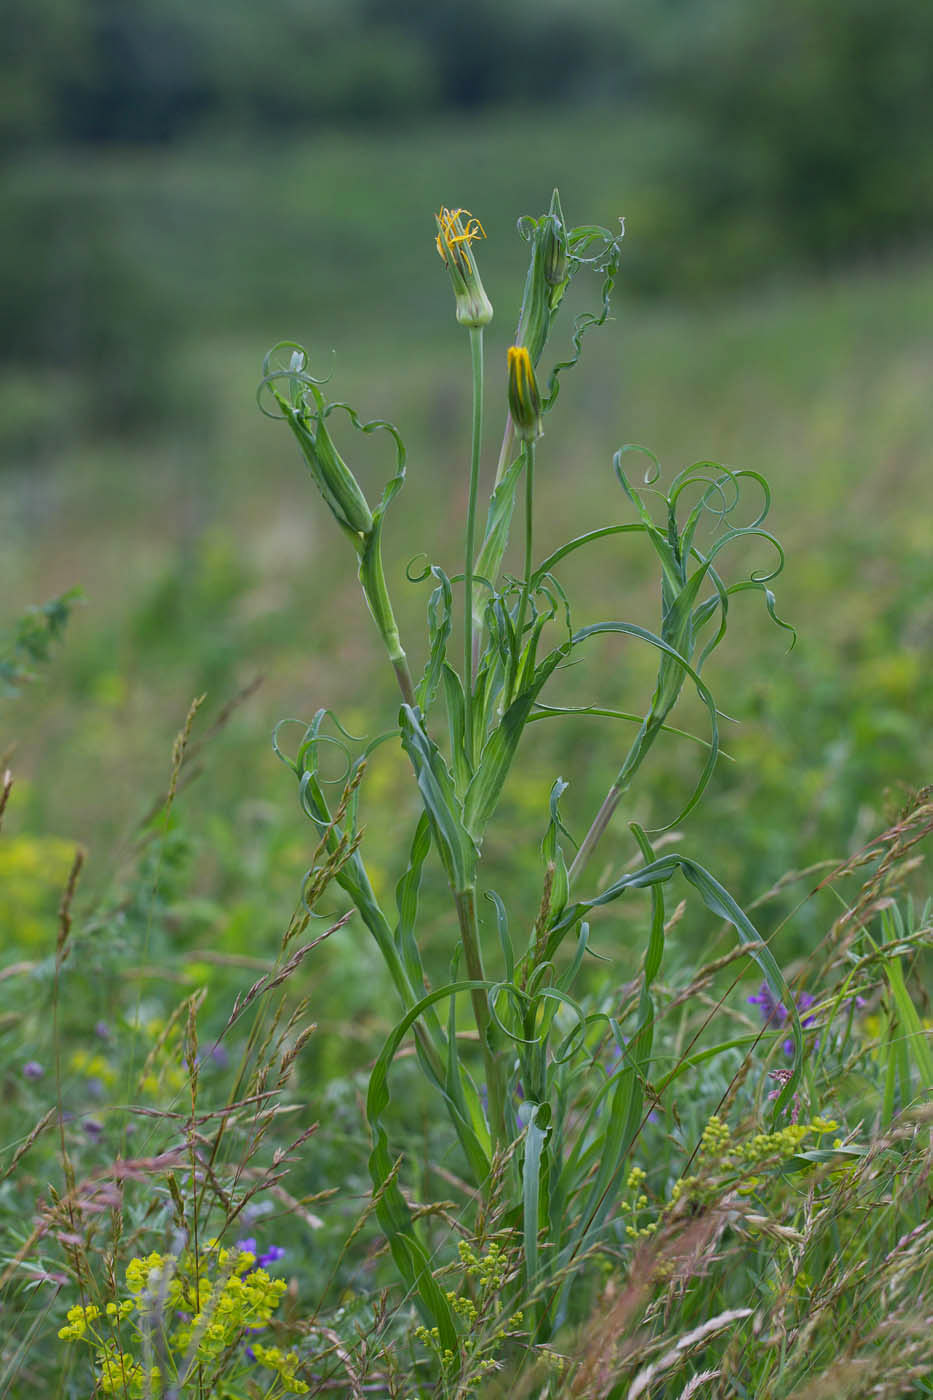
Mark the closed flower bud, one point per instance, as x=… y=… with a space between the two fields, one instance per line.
x=554 y=244
x=334 y=478
x=456 y=230
x=524 y=399
x=547 y=278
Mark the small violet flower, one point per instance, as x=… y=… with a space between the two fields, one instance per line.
x=774 y=1013
x=249 y=1246
x=33 y=1070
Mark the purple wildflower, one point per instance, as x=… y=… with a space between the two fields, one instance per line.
x=269 y=1256
x=773 y=1013
x=804 y=1002
x=102 y=1030
x=93 y=1127
x=33 y=1070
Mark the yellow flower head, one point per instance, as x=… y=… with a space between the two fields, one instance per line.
x=454 y=236
x=524 y=399
x=456 y=230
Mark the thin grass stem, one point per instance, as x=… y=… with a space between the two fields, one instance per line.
x=476 y=355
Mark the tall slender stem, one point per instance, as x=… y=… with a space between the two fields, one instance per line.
x=599 y=825
x=376 y=593
x=469 y=936
x=529 y=540
x=650 y=729
x=476 y=355
x=505 y=457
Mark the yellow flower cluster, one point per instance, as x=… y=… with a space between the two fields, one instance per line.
x=635 y=1181
x=463 y=1306
x=490 y=1269
x=157 y=1274
x=234 y=1304
x=284 y=1364
x=431 y=1339
x=733 y=1158
x=716 y=1137
x=486 y=1322
x=120 y=1374
x=77 y=1324
x=716 y=1144
x=212 y=1313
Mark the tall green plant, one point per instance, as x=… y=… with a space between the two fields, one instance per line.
x=545 y=1124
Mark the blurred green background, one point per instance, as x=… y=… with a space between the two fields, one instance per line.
x=185 y=185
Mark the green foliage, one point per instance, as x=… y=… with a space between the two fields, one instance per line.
x=550 y=1180
x=33 y=640
x=594 y=1165
x=192 y=1313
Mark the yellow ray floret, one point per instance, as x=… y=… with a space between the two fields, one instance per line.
x=457 y=228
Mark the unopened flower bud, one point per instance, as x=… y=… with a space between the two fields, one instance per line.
x=456 y=230
x=524 y=399
x=546 y=280
x=336 y=482
x=554 y=244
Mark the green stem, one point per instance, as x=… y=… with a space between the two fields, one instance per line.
x=529 y=544
x=651 y=727
x=405 y=682
x=600 y=823
x=476 y=355
x=376 y=593
x=505 y=451
x=469 y=937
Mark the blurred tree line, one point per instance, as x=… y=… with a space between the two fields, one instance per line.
x=819 y=109
x=799 y=130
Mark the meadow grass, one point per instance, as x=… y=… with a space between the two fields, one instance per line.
x=182 y=1045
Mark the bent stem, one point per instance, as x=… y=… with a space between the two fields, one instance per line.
x=469 y=936
x=476 y=356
